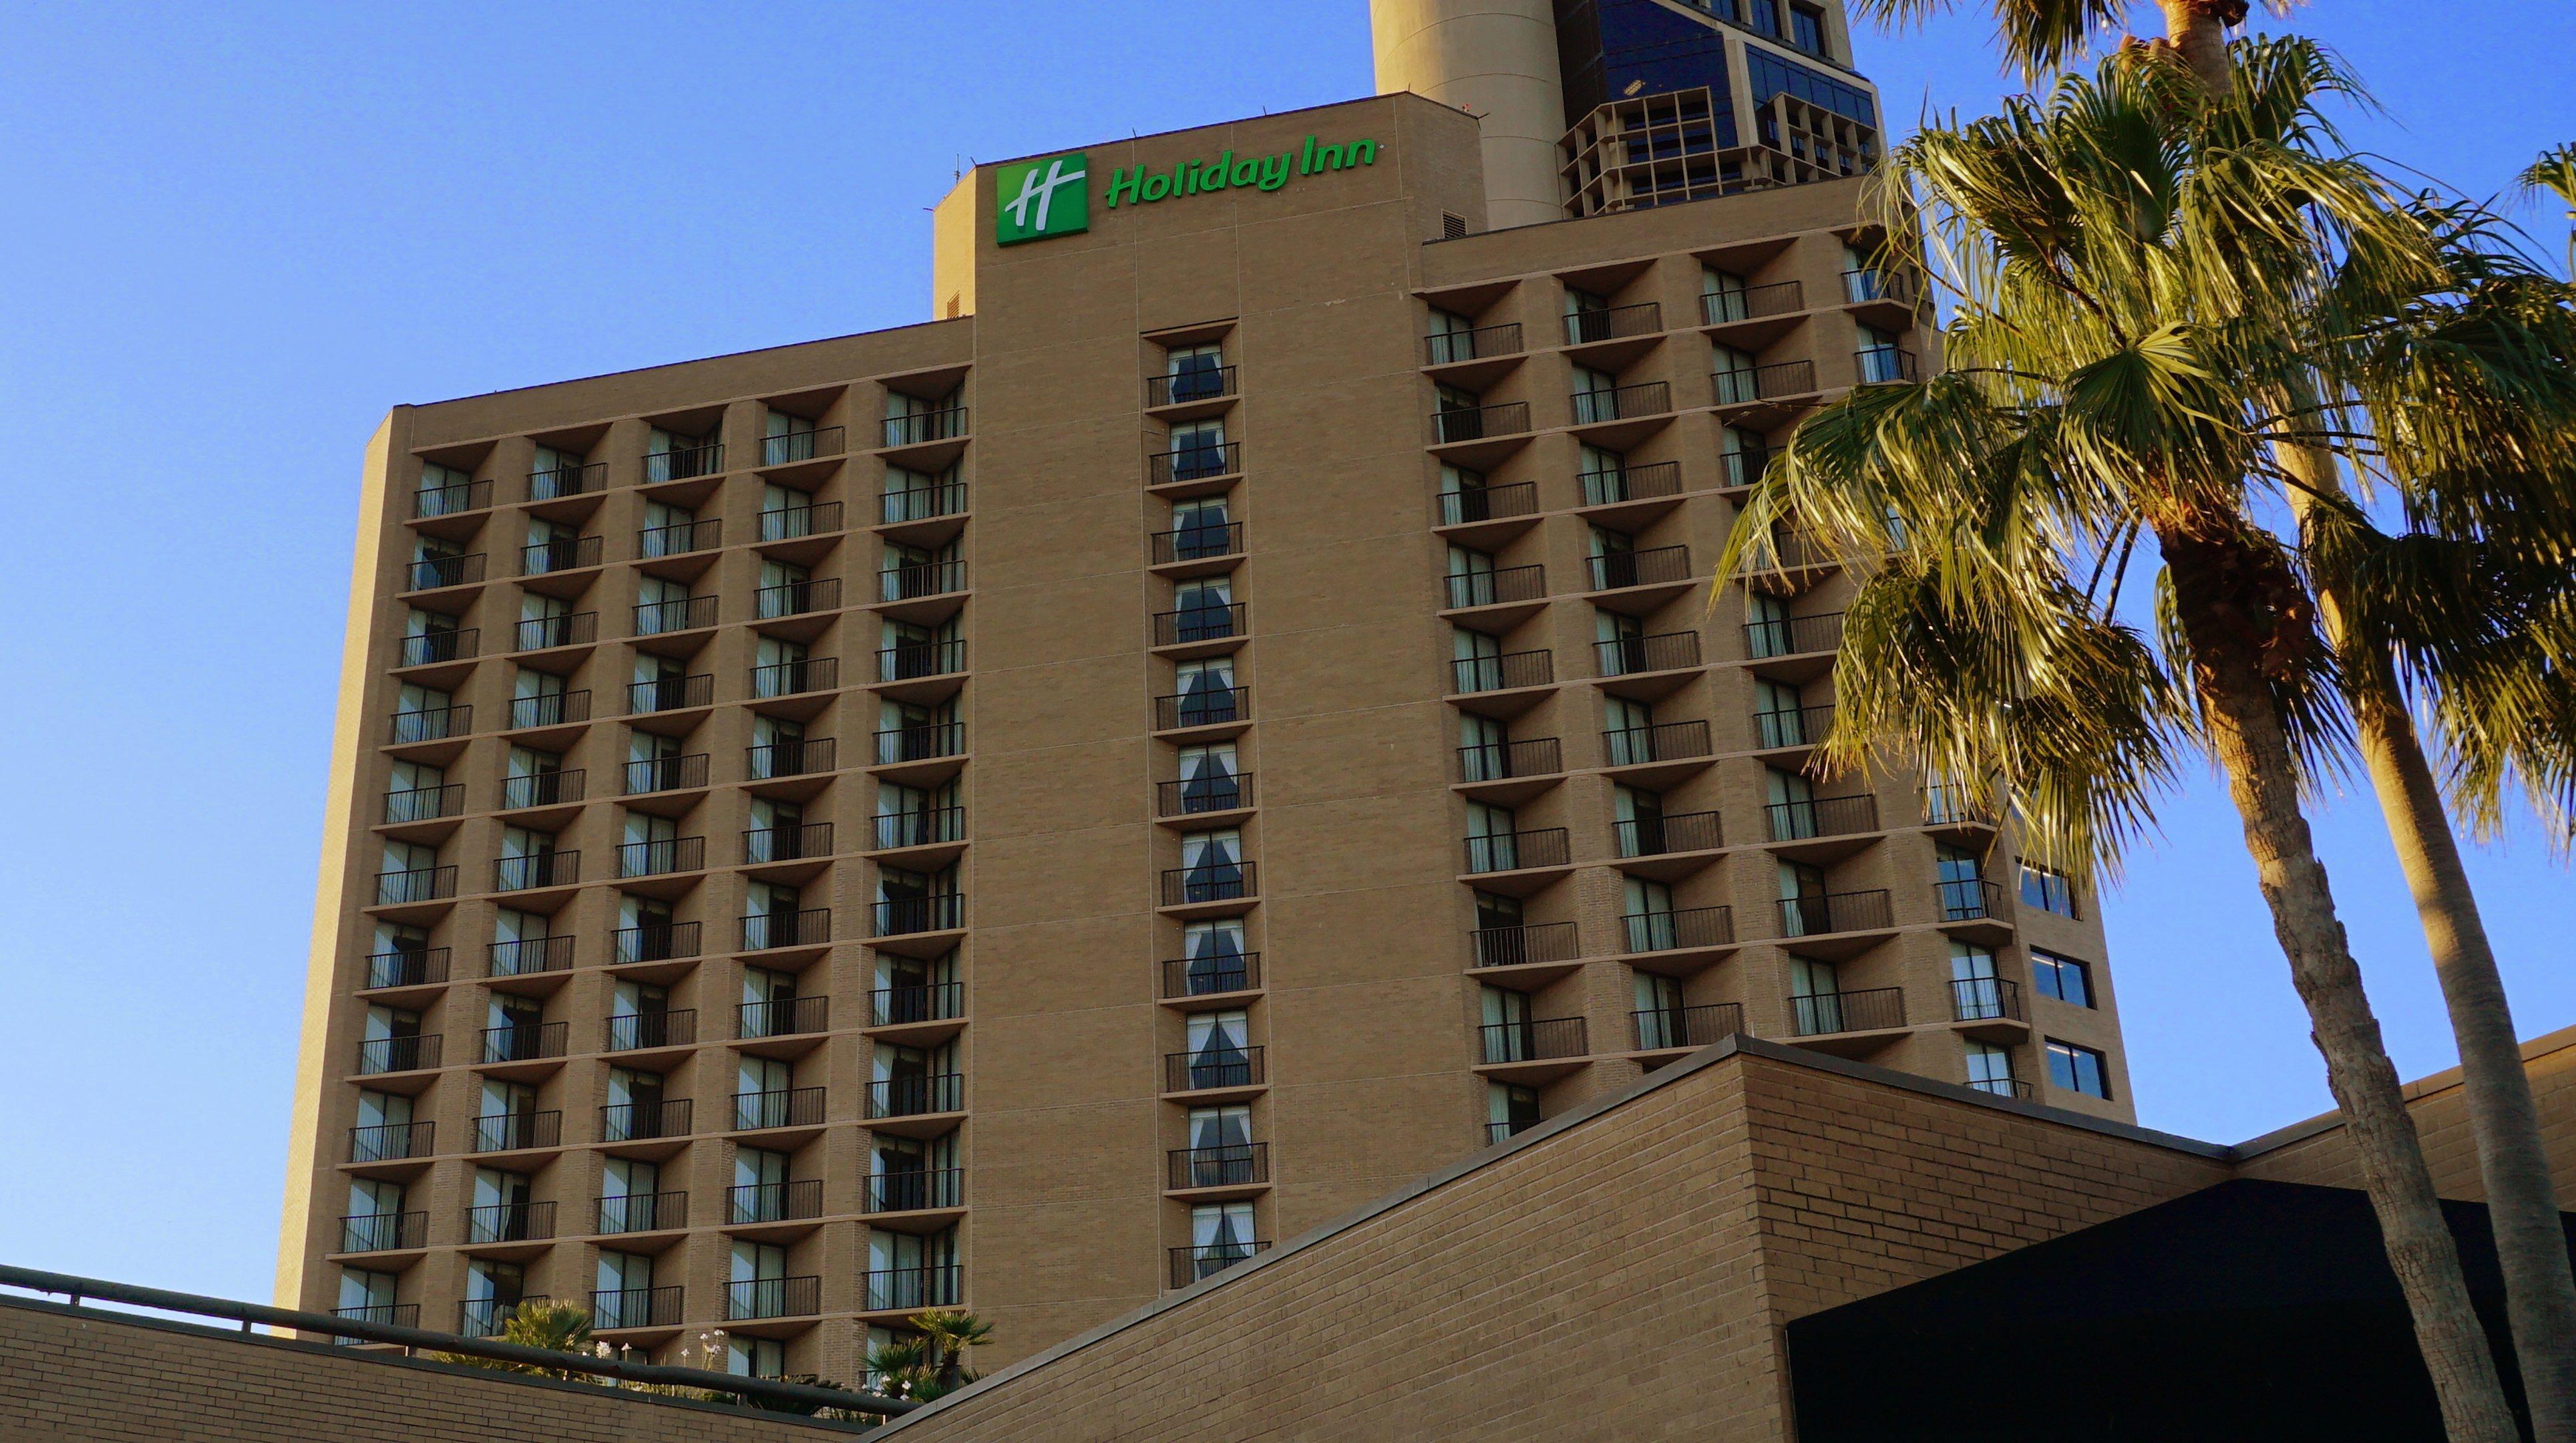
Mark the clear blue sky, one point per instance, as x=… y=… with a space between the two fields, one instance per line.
x=236 y=234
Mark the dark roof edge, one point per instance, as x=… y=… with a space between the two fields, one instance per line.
x=966 y=320
x=2562 y=1040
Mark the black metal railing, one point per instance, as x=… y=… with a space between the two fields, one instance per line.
x=1196 y=1264
x=1502 y=673
x=1500 y=761
x=549 y=709
x=614 y=1308
x=431 y=648
x=1663 y=651
x=516 y=1131
x=912 y=1192
x=671 y=693
x=1196 y=543
x=543 y=633
x=1192 y=796
x=2001 y=1086
x=1821 y=817
x=1215 y=973
x=1181 y=388
x=1200 y=623
x=434 y=501
x=781 y=1107
x=1720 y=308
x=1663 y=1028
x=1955 y=804
x=1536 y=1039
x=559 y=553
x=1793 y=726
x=922 y=1002
x=926 y=742
x=774 y=1202
x=1829 y=912
x=557 y=482
x=424 y=804
x=786 y=844
x=798 y=598
x=1985 y=999
x=1878 y=365
x=420 y=884
x=383 y=1232
x=1621 y=403
x=789 y=447
x=1505 y=1131
x=519 y=1222
x=542 y=789
x=406 y=967
x=527 y=956
x=903 y=916
x=782 y=1017
x=1213 y=1067
x=653 y=942
x=1210 y=882
x=1228 y=1164
x=1630 y=483
x=1870 y=1010
x=1488 y=503
x=1612 y=323
x=1454 y=424
x=794 y=678
x=686 y=772
x=433 y=572
x=800 y=520
x=1863 y=286
x=1451 y=347
x=1194 y=463
x=1530 y=942
x=636 y=1031
x=906 y=1290
x=1744 y=385
x=1658 y=566
x=1672 y=832
x=525 y=1041
x=680 y=463
x=646 y=1121
x=766 y=931
x=682 y=613
x=394 y=1315
x=1743 y=467
x=921 y=428
x=803 y=756
x=392 y=1141
x=429 y=724
x=750 y=1298
x=908 y=582
x=1968 y=899
x=1207 y=706
x=1660 y=742
x=485 y=1317
x=537 y=869
x=914 y=660
x=1793 y=635
x=1513 y=851
x=643 y=1212
x=920 y=1095
x=1498 y=587
x=1679 y=928
x=901 y=504
x=664 y=855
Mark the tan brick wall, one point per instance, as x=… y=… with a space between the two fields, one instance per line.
x=93 y=1378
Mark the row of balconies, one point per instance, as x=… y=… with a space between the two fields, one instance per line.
x=708 y=459
x=1971 y=1001
x=895 y=1292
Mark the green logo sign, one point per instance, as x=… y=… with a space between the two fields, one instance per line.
x=1036 y=199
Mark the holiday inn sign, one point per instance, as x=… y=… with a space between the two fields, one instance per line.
x=1042 y=199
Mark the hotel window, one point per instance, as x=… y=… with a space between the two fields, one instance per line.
x=1220 y=1049
x=1604 y=476
x=504 y=1209
x=442 y=489
x=1214 y=956
x=912 y=420
x=1211 y=780
x=1200 y=529
x=1195 y=373
x=1471 y=577
x=1220 y=1147
x=908 y=1270
x=1647 y=915
x=492 y=1293
x=553 y=473
x=368 y=1296
x=2078 y=1069
x=1764 y=16
x=1722 y=296
x=1734 y=373
x=1881 y=359
x=1203 y=610
x=1507 y=1034
x=786 y=438
x=2063 y=978
x=1509 y=1109
x=2047 y=889
x=1627 y=732
x=622 y=1295
x=374 y=1222
x=1198 y=449
x=1464 y=496
x=755 y=1357
x=1815 y=992
x=1452 y=338
x=383 y=1129
x=1990 y=1069
x=1976 y=993
x=1206 y=691
x=668 y=531
x=1596 y=396
x=918 y=496
x=1221 y=1235
x=1661 y=1022
x=1959 y=883
x=1807 y=28
x=670 y=456
x=1587 y=318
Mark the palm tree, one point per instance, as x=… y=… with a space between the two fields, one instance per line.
x=2041 y=37
x=2116 y=359
x=949 y=1333
x=536 y=1323
x=2555 y=172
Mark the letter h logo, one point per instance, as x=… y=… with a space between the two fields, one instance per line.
x=1036 y=199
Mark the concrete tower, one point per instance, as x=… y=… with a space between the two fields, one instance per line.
x=1496 y=59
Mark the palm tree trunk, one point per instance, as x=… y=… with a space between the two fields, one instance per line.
x=2247 y=737
x=2197 y=31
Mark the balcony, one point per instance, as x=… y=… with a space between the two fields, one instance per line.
x=1502 y=1132
x=905 y=916
x=1818 y=817
x=1225 y=882
x=1725 y=308
x=416 y=1053
x=1227 y=1165
x=1540 y=1039
x=431 y=502
x=797 y=598
x=432 y=573
x=1585 y=328
x=424 y=804
x=789 y=448
x=914 y=661
x=1666 y=1029
x=525 y=1042
x=907 y=583
x=1509 y=760
x=911 y=1006
x=560 y=553
x=908 y=1290
x=537 y=869
x=1451 y=348
x=1506 y=586
x=1682 y=929
x=645 y=1121
x=777 y=761
x=767 y=845
x=642 y=1031
x=1198 y=796
x=781 y=1017
x=1969 y=899
x=528 y=956
x=1636 y=655
x=800 y=520
x=666 y=774
x=2002 y=1087
x=1877 y=1009
x=1748 y=385
x=523 y=1222
x=557 y=483
x=1861 y=287
x=1660 y=566
x=1452 y=426
x=928 y=742
x=767 y=931
x=667 y=618
x=383 y=1232
x=542 y=789
x=1216 y=1068
x=615 y=1308
x=517 y=1131
x=484 y=1317
x=906 y=505
x=749 y=1204
x=920 y=1095
x=1743 y=468
x=1826 y=914
x=643 y=1212
x=1197 y=1264
x=653 y=942
x=923 y=428
x=1194 y=464
x=429 y=724
x=785 y=1107
x=420 y=884
x=1186 y=544
x=553 y=709
x=1662 y=742
x=436 y=648
x=1658 y=481
x=1793 y=636
x=1664 y=835
x=661 y=858
x=1508 y=672
x=754 y=1298
x=1518 y=851
x=1214 y=975
x=1952 y=806
x=1488 y=503
x=392 y=1141
x=1207 y=706
x=670 y=693
x=1985 y=999
x=795 y=678
x=897 y=831
x=1538 y=942
x=926 y=1190
x=405 y=967
x=544 y=633
x=1186 y=388
x=684 y=463
x=1621 y=403
x=1791 y=727
x=1880 y=365
x=1198 y=624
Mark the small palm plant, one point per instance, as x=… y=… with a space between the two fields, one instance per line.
x=537 y=1323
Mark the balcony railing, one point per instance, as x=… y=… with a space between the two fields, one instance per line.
x=1194 y=1264
x=528 y=956
x=783 y=1107
x=433 y=572
x=1744 y=385
x=1672 y=832
x=1230 y=1164
x=926 y=742
x=927 y=1002
x=406 y=967
x=1538 y=1039
x=1865 y=285
x=923 y=427
x=1878 y=365
x=1496 y=588
x=1953 y=804
x=383 y=1232
x=1583 y=328
x=1496 y=1132
x=797 y=598
x=653 y=942
x=1212 y=1068
x=666 y=774
x=1191 y=796
x=1196 y=543
x=781 y=1017
x=1793 y=635
x=636 y=1031
x=645 y=1121
x=557 y=482
x=751 y=1298
x=1793 y=726
x=1621 y=403
x=1969 y=899
x=920 y=1095
x=1630 y=483
x=421 y=884
x=551 y=709
x=1843 y=816
x=1451 y=347
x=912 y=1192
x=1513 y=851
x=1452 y=425
x=1216 y=973
x=683 y=462
x=1831 y=912
x=1744 y=467
x=613 y=1308
x=1663 y=1028
x=559 y=553
x=1502 y=673
x=910 y=582
x=431 y=648
x=1661 y=742
x=794 y=678
x=794 y=522
x=1660 y=566
x=1872 y=1010
x=1682 y=927
x=514 y=1131
x=485 y=1317
x=1501 y=761
x=542 y=789
x=1985 y=999
x=393 y=1141
x=2002 y=1086
x=424 y=804
x=906 y=1290
x=1512 y=946
x=1221 y=882
x=764 y=931
x=1181 y=388
x=1200 y=623
x=543 y=633
x=1488 y=503
x=917 y=659
x=901 y=504
x=537 y=869
x=434 y=501
x=680 y=613
x=671 y=693
x=522 y=1222
x=643 y=1212
x=804 y=756
x=656 y=858
x=790 y=447
x=774 y=1202
x=429 y=724
x=525 y=1042
x=1663 y=651
x=786 y=844
x=903 y=916
x=1720 y=308
x=1194 y=463
x=1207 y=706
